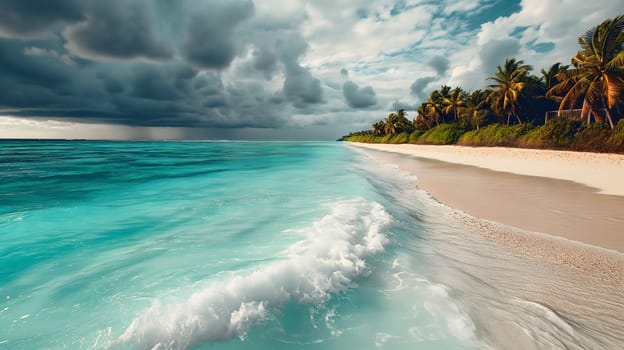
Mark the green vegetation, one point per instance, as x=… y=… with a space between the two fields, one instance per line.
x=557 y=133
x=615 y=142
x=443 y=134
x=400 y=138
x=415 y=136
x=495 y=135
x=585 y=101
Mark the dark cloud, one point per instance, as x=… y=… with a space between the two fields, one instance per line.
x=357 y=97
x=211 y=42
x=495 y=52
x=344 y=73
x=301 y=88
x=138 y=94
x=440 y=64
x=402 y=105
x=116 y=62
x=38 y=51
x=417 y=88
x=266 y=61
x=251 y=105
x=111 y=85
x=163 y=83
x=32 y=18
x=32 y=80
x=118 y=31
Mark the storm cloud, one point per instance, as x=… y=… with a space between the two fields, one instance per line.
x=119 y=63
x=32 y=18
x=300 y=86
x=211 y=41
x=357 y=97
x=418 y=86
x=115 y=31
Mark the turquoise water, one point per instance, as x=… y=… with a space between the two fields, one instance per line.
x=235 y=245
x=208 y=245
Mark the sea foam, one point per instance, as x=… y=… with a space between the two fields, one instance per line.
x=324 y=264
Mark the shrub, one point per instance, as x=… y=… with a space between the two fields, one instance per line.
x=615 y=142
x=386 y=139
x=443 y=134
x=400 y=138
x=363 y=138
x=415 y=136
x=495 y=135
x=592 y=137
x=557 y=133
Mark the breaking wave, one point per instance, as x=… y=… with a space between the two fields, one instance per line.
x=324 y=264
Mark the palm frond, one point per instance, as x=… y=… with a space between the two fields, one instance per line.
x=617 y=62
x=615 y=89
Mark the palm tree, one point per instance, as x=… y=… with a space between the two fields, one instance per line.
x=396 y=122
x=549 y=77
x=422 y=117
x=378 y=128
x=509 y=82
x=473 y=110
x=597 y=78
x=434 y=109
x=400 y=112
x=454 y=101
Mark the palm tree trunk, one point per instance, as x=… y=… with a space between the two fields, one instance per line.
x=508 y=118
x=606 y=108
x=519 y=120
x=427 y=123
x=609 y=118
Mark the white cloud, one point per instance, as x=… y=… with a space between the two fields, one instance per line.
x=557 y=22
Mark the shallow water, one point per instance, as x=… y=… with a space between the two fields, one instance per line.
x=175 y=245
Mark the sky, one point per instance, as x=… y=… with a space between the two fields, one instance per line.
x=259 y=69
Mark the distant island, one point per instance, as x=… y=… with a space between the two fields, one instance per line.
x=572 y=107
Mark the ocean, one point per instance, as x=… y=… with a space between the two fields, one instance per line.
x=254 y=245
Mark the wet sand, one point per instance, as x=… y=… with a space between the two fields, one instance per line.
x=557 y=207
x=604 y=172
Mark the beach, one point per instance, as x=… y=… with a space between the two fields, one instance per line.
x=577 y=223
x=543 y=191
x=602 y=171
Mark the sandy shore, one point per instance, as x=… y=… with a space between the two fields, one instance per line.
x=485 y=183
x=604 y=172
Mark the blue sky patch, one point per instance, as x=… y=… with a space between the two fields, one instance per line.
x=542 y=47
x=491 y=11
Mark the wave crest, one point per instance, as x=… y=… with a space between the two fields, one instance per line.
x=325 y=263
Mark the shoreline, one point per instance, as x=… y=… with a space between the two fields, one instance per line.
x=602 y=171
x=564 y=212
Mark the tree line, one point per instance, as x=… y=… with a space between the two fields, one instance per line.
x=591 y=86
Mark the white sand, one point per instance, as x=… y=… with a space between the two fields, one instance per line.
x=566 y=209
x=605 y=172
